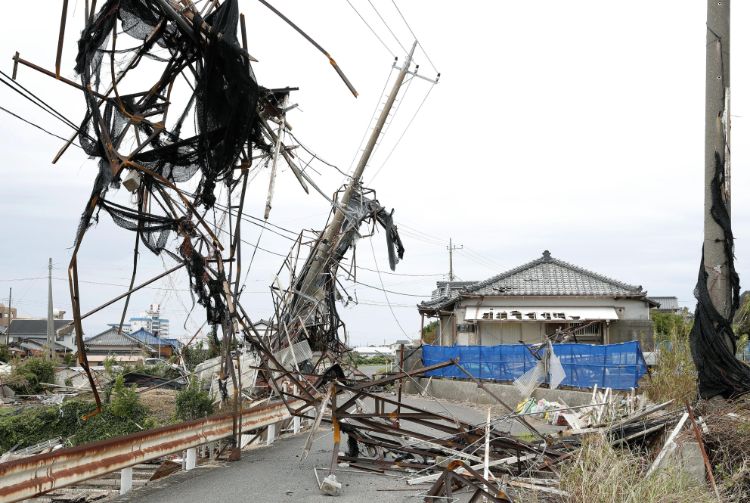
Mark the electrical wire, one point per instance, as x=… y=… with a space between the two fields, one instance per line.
x=392 y=115
x=388 y=27
x=385 y=293
x=34 y=99
x=316 y=156
x=403 y=133
x=379 y=103
x=35 y=125
x=371 y=29
x=415 y=36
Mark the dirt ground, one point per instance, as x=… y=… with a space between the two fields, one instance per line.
x=161 y=402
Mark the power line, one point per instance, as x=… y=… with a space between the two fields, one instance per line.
x=403 y=133
x=372 y=118
x=35 y=125
x=36 y=100
x=415 y=36
x=388 y=27
x=371 y=29
x=306 y=149
x=385 y=294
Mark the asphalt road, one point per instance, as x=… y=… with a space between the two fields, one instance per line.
x=275 y=474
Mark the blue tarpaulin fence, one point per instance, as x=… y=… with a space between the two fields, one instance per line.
x=616 y=366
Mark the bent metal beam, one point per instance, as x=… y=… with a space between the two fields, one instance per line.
x=28 y=477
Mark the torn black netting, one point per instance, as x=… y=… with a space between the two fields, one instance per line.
x=153 y=229
x=712 y=340
x=221 y=112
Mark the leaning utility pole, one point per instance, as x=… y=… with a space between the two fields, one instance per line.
x=50 y=316
x=450 y=258
x=322 y=253
x=717 y=147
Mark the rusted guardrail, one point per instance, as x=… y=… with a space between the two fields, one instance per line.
x=27 y=477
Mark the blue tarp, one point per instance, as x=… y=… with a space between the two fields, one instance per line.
x=616 y=366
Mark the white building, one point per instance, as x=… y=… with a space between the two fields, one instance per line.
x=370 y=351
x=537 y=300
x=150 y=321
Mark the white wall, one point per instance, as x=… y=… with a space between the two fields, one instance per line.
x=627 y=309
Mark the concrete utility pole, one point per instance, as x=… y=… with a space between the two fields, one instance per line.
x=310 y=285
x=717 y=142
x=450 y=258
x=10 y=316
x=50 y=316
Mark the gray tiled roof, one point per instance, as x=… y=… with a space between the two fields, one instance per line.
x=28 y=329
x=667 y=303
x=450 y=288
x=545 y=276
x=110 y=337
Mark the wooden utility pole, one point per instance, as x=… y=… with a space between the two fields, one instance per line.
x=717 y=128
x=451 y=277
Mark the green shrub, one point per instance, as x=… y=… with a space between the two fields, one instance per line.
x=194 y=355
x=193 y=403
x=69 y=360
x=429 y=332
x=666 y=324
x=123 y=414
x=4 y=353
x=28 y=375
x=29 y=426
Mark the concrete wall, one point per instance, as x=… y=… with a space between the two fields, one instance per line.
x=467 y=391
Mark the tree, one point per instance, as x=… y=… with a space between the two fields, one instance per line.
x=429 y=333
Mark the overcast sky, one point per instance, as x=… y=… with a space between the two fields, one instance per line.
x=570 y=126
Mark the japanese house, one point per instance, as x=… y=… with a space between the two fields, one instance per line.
x=537 y=300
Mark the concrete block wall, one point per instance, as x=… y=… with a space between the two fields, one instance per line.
x=467 y=391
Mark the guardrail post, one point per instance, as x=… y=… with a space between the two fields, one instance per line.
x=190 y=458
x=270 y=433
x=126 y=479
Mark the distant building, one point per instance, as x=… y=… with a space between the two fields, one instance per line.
x=133 y=348
x=5 y=314
x=36 y=331
x=150 y=321
x=125 y=327
x=537 y=300
x=396 y=346
x=666 y=304
x=370 y=351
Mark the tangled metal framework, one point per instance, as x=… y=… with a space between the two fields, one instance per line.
x=189 y=137
x=192 y=135
x=176 y=165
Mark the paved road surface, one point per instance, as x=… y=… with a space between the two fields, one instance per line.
x=274 y=474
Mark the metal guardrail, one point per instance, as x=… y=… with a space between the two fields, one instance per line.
x=28 y=477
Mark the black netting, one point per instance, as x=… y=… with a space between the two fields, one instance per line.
x=222 y=111
x=712 y=340
x=154 y=229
